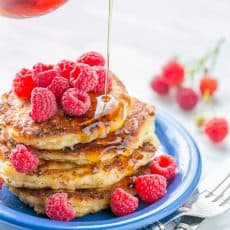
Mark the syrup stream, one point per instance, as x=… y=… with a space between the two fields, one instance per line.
x=108 y=45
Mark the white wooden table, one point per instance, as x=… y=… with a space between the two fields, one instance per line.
x=145 y=34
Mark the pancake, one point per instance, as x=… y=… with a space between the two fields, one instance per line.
x=138 y=127
x=83 y=201
x=69 y=176
x=61 y=130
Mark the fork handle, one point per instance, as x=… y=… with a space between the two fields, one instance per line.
x=183 y=226
x=158 y=226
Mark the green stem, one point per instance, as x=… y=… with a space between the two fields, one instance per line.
x=199 y=65
x=216 y=52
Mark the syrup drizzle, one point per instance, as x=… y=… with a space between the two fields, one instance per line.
x=108 y=45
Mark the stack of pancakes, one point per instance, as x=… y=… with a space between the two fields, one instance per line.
x=87 y=157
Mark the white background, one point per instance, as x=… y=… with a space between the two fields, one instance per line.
x=145 y=34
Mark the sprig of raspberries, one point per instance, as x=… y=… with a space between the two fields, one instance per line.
x=172 y=82
x=65 y=84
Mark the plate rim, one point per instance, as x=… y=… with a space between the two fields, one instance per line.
x=10 y=216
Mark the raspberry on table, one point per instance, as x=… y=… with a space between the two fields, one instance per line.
x=216 y=129
x=58 y=207
x=187 y=98
x=24 y=159
x=83 y=77
x=43 y=104
x=164 y=165
x=23 y=84
x=159 y=85
x=173 y=73
x=1 y=183
x=75 y=102
x=150 y=188
x=58 y=86
x=100 y=87
x=208 y=84
x=43 y=74
x=123 y=203
x=92 y=58
x=65 y=67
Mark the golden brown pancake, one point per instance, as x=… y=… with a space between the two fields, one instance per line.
x=69 y=176
x=138 y=127
x=83 y=201
x=61 y=130
x=87 y=157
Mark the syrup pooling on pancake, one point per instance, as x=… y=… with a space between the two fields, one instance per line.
x=137 y=127
x=62 y=130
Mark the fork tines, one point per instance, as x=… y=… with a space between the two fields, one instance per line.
x=220 y=192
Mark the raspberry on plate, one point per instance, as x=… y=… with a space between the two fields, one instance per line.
x=173 y=73
x=83 y=77
x=43 y=104
x=43 y=74
x=150 y=188
x=23 y=84
x=216 y=129
x=159 y=85
x=23 y=159
x=75 y=102
x=92 y=58
x=1 y=183
x=123 y=203
x=58 y=207
x=164 y=165
x=208 y=84
x=100 y=87
x=58 y=86
x=41 y=67
x=187 y=98
x=65 y=67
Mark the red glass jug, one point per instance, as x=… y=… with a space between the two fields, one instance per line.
x=28 y=8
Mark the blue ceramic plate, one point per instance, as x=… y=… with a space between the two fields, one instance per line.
x=174 y=139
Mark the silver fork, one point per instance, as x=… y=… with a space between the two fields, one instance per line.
x=210 y=203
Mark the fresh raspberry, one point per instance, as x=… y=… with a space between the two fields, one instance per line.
x=100 y=87
x=92 y=59
x=150 y=188
x=41 y=67
x=43 y=74
x=173 y=73
x=122 y=203
x=83 y=77
x=187 y=98
x=58 y=207
x=208 y=84
x=1 y=183
x=216 y=129
x=65 y=67
x=75 y=102
x=23 y=84
x=164 y=165
x=159 y=85
x=58 y=86
x=23 y=159
x=43 y=103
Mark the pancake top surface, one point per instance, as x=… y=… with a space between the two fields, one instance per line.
x=101 y=118
x=137 y=127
